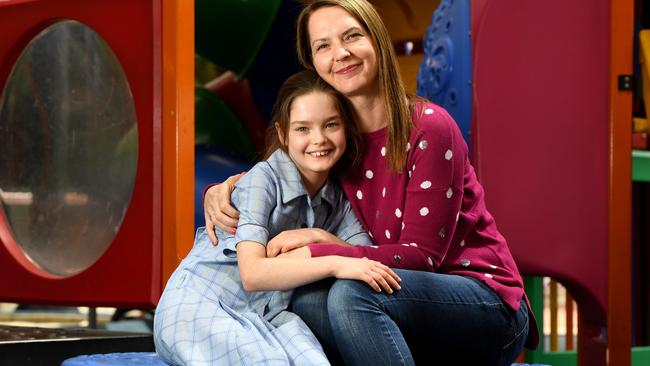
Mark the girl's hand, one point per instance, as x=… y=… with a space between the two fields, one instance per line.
x=218 y=211
x=291 y=239
x=375 y=274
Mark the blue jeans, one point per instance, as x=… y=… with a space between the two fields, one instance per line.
x=435 y=319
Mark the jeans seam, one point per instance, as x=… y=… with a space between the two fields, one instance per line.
x=382 y=302
x=392 y=339
x=518 y=334
x=515 y=338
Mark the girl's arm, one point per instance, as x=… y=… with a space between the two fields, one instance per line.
x=259 y=273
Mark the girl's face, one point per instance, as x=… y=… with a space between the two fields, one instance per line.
x=315 y=138
x=342 y=52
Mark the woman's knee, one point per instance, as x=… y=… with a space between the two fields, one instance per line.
x=349 y=295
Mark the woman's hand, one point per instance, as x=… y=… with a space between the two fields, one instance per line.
x=375 y=274
x=292 y=239
x=217 y=208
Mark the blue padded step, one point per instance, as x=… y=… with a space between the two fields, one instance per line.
x=126 y=358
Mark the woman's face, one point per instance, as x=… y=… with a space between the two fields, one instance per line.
x=342 y=52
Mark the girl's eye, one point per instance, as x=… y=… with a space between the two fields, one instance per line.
x=332 y=125
x=301 y=129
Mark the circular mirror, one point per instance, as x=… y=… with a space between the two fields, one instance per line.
x=68 y=148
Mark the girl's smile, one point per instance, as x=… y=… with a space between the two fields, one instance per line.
x=315 y=139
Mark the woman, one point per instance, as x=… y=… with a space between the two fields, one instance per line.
x=462 y=298
x=227 y=305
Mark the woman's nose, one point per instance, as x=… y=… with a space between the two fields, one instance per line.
x=342 y=53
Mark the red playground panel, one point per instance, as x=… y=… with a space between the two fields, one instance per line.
x=127 y=271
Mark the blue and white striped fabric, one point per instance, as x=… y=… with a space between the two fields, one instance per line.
x=205 y=317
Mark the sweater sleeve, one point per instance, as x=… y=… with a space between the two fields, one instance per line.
x=433 y=198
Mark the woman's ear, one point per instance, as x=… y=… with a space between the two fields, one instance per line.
x=280 y=133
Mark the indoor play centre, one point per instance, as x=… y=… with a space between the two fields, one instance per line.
x=115 y=115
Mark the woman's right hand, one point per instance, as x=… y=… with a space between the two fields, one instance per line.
x=217 y=209
x=375 y=274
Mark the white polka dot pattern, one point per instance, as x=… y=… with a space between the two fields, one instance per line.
x=493 y=266
x=426 y=184
x=398 y=212
x=423 y=144
x=449 y=193
x=413 y=245
x=387 y=234
x=430 y=261
x=428 y=111
x=462 y=243
x=359 y=194
x=383 y=151
x=383 y=192
x=403 y=225
x=369 y=174
x=488 y=275
x=449 y=154
x=424 y=211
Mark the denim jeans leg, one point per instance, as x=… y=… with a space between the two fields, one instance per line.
x=435 y=319
x=310 y=303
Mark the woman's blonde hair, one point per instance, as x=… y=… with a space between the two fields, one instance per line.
x=397 y=101
x=303 y=83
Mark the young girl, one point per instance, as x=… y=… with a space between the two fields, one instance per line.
x=227 y=305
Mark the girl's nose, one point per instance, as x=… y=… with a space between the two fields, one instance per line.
x=318 y=137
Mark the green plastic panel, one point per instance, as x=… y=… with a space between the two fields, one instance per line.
x=641 y=166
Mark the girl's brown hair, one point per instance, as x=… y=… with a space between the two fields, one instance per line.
x=398 y=103
x=303 y=83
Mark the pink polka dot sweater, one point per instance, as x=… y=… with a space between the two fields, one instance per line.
x=432 y=216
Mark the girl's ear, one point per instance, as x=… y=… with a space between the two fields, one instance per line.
x=280 y=133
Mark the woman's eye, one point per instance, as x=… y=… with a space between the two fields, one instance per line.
x=321 y=46
x=301 y=129
x=353 y=36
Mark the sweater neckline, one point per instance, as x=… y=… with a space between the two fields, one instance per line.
x=376 y=135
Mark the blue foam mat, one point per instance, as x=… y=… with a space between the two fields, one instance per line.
x=126 y=358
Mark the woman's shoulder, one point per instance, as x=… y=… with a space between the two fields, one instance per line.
x=428 y=115
x=430 y=119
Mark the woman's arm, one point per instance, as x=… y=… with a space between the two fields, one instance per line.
x=259 y=273
x=432 y=202
x=345 y=230
x=292 y=239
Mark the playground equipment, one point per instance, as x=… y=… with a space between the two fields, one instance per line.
x=553 y=153
x=99 y=214
x=445 y=75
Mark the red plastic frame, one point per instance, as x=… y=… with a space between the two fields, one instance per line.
x=129 y=272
